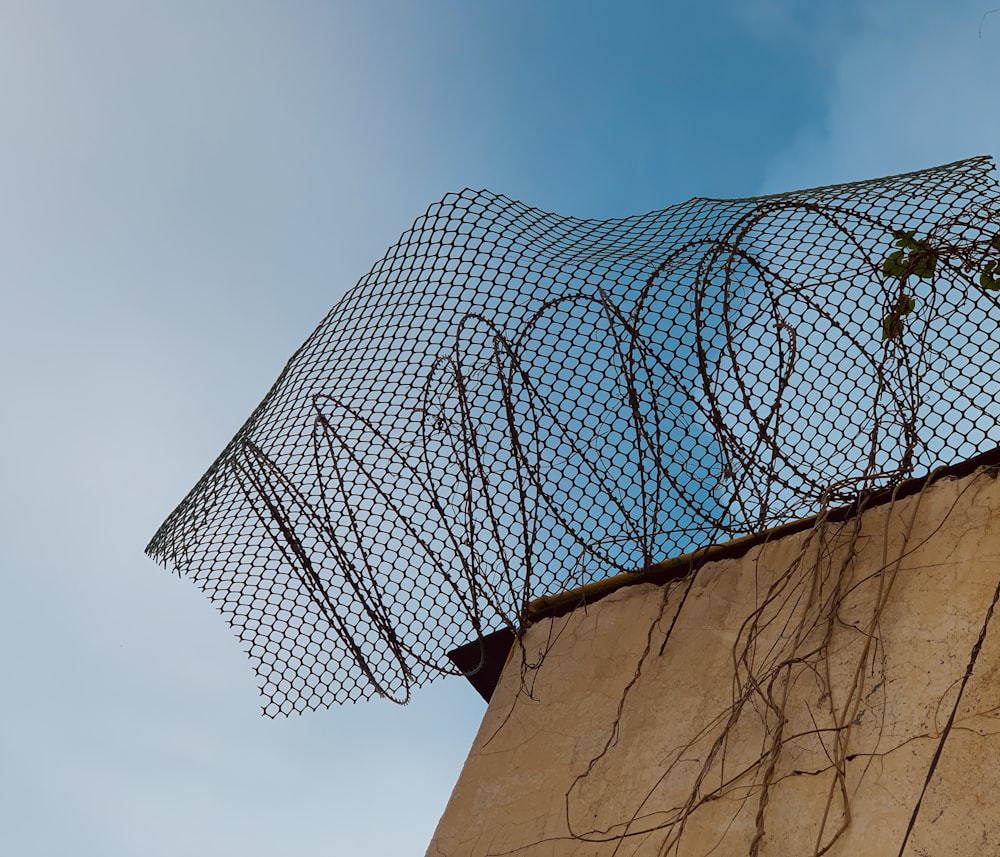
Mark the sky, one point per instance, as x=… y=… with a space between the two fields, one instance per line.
x=187 y=186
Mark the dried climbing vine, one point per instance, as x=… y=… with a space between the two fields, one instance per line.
x=824 y=605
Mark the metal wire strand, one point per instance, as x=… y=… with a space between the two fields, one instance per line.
x=512 y=403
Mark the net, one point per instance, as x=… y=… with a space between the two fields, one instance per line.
x=513 y=403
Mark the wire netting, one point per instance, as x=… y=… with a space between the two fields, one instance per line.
x=512 y=403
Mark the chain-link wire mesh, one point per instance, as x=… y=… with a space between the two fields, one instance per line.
x=513 y=403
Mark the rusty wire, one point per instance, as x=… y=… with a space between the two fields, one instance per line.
x=512 y=403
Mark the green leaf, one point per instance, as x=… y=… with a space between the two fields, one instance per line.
x=894 y=266
x=921 y=261
x=892 y=327
x=995 y=242
x=987 y=282
x=905 y=305
x=924 y=264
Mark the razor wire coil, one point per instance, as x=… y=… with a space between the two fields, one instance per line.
x=513 y=403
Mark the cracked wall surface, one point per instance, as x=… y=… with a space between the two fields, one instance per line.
x=835 y=691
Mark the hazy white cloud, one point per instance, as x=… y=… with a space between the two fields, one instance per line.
x=913 y=87
x=815 y=30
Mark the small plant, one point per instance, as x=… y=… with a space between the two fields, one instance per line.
x=989 y=279
x=892 y=324
x=915 y=257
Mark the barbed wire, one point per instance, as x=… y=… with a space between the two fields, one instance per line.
x=512 y=403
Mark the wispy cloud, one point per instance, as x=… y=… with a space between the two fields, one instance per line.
x=913 y=86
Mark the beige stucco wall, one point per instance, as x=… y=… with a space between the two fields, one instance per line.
x=789 y=701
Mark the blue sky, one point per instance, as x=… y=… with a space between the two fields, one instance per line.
x=185 y=190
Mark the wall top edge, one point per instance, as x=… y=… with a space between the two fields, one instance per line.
x=677 y=568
